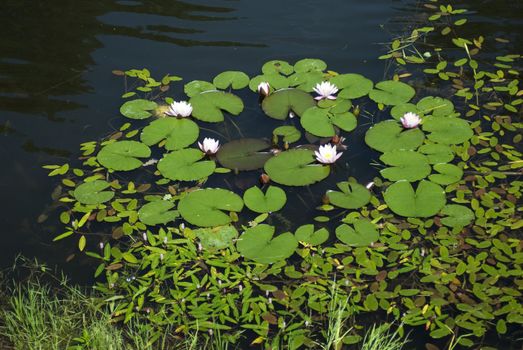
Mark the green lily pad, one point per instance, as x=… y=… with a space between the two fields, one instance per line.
x=405 y=165
x=257 y=243
x=196 y=87
x=273 y=200
x=157 y=212
x=307 y=234
x=92 y=193
x=177 y=133
x=219 y=237
x=447 y=130
x=392 y=93
x=437 y=106
x=427 y=200
x=234 y=79
x=305 y=81
x=123 y=155
x=352 y=85
x=185 y=165
x=138 y=109
x=278 y=104
x=321 y=122
x=209 y=106
x=205 y=208
x=277 y=67
x=437 y=153
x=338 y=105
x=456 y=215
x=389 y=135
x=361 y=234
x=310 y=65
x=399 y=111
x=290 y=133
x=244 y=154
x=275 y=80
x=448 y=174
x=352 y=195
x=294 y=168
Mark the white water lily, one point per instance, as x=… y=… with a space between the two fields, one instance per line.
x=209 y=146
x=325 y=90
x=410 y=120
x=179 y=109
x=326 y=154
x=264 y=88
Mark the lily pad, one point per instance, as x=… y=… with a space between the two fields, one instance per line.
x=447 y=130
x=448 y=174
x=405 y=165
x=305 y=81
x=352 y=195
x=185 y=165
x=456 y=215
x=92 y=193
x=244 y=154
x=196 y=87
x=352 y=85
x=275 y=80
x=219 y=237
x=257 y=243
x=437 y=153
x=392 y=93
x=234 y=79
x=290 y=133
x=280 y=103
x=138 y=109
x=273 y=200
x=205 y=208
x=399 y=111
x=310 y=65
x=209 y=106
x=437 y=106
x=177 y=133
x=321 y=122
x=361 y=234
x=427 y=200
x=294 y=168
x=123 y=155
x=157 y=212
x=307 y=234
x=277 y=67
x=389 y=135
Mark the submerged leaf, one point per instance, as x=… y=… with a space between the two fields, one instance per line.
x=244 y=154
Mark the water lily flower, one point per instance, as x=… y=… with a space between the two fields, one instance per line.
x=325 y=90
x=410 y=120
x=209 y=146
x=179 y=109
x=264 y=89
x=327 y=154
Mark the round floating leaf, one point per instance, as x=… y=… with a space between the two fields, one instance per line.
x=257 y=243
x=273 y=200
x=93 y=192
x=427 y=201
x=294 y=168
x=277 y=67
x=205 y=207
x=290 y=133
x=138 y=109
x=321 y=122
x=275 y=80
x=437 y=153
x=307 y=234
x=437 y=106
x=219 y=237
x=361 y=235
x=352 y=195
x=448 y=174
x=185 y=165
x=310 y=65
x=244 y=154
x=389 y=135
x=305 y=81
x=392 y=93
x=456 y=215
x=280 y=103
x=158 y=212
x=208 y=106
x=447 y=130
x=338 y=105
x=196 y=87
x=122 y=155
x=177 y=133
x=352 y=85
x=405 y=165
x=234 y=79
x=399 y=111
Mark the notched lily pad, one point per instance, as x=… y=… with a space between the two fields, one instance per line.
x=399 y=111
x=456 y=215
x=405 y=165
x=306 y=81
x=392 y=93
x=157 y=212
x=92 y=193
x=352 y=195
x=209 y=106
x=352 y=85
x=279 y=104
x=275 y=80
x=257 y=243
x=138 y=109
x=196 y=87
x=244 y=154
x=185 y=165
x=389 y=135
x=307 y=234
x=272 y=200
x=361 y=234
x=219 y=237
x=295 y=168
x=310 y=65
x=123 y=155
x=448 y=174
x=437 y=153
x=177 y=133
x=277 y=67
x=290 y=133
x=321 y=122
x=436 y=106
x=447 y=130
x=234 y=79
x=426 y=201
